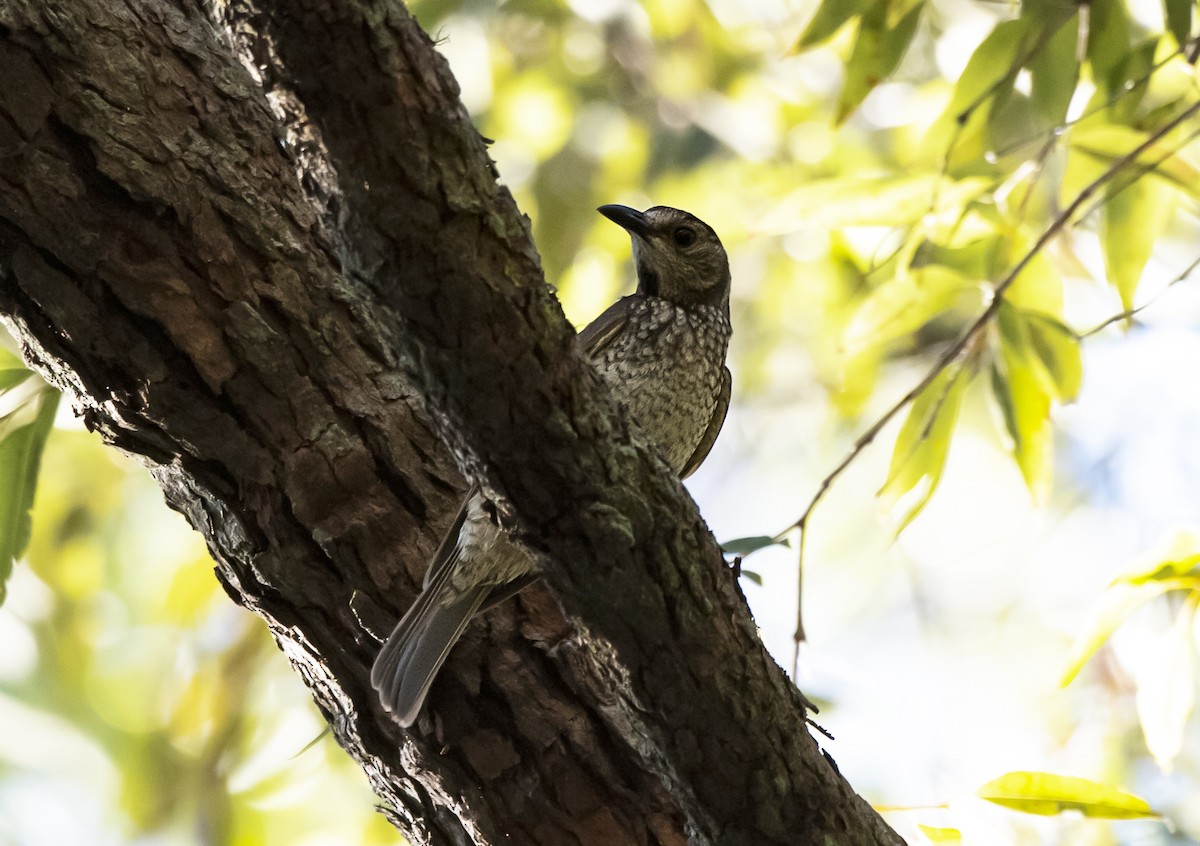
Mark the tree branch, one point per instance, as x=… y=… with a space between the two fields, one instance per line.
x=279 y=309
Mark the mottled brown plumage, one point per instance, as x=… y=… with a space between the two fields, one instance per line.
x=662 y=351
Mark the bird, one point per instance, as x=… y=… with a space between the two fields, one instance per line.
x=662 y=352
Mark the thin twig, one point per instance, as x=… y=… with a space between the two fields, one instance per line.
x=956 y=349
x=1142 y=170
x=1128 y=313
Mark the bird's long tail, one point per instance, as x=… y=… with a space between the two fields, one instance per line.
x=418 y=646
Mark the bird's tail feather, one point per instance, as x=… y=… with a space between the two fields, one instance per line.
x=418 y=646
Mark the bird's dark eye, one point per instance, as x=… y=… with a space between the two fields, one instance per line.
x=685 y=236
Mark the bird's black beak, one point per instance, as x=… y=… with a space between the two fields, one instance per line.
x=631 y=220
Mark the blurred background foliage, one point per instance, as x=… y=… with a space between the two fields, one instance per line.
x=1003 y=583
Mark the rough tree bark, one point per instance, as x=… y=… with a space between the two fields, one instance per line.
x=269 y=255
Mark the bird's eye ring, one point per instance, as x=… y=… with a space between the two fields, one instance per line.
x=685 y=236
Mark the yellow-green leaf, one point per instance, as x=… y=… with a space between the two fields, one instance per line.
x=10 y=377
x=1176 y=556
x=831 y=16
x=1054 y=70
x=1179 y=19
x=941 y=835
x=1020 y=392
x=1173 y=564
x=1133 y=218
x=1116 y=604
x=897 y=10
x=919 y=456
x=1048 y=794
x=992 y=66
x=1108 y=42
x=877 y=51
x=1166 y=687
x=834 y=203
x=903 y=304
x=1057 y=350
x=1110 y=142
x=20 y=456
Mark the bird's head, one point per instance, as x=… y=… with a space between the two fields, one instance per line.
x=678 y=256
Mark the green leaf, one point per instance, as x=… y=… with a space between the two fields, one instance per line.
x=835 y=203
x=1131 y=221
x=20 y=455
x=906 y=302
x=877 y=51
x=1019 y=389
x=1173 y=564
x=1058 y=351
x=1054 y=72
x=898 y=10
x=1048 y=794
x=1118 y=602
x=1179 y=19
x=986 y=82
x=10 y=377
x=992 y=67
x=1109 y=41
x=941 y=835
x=1175 y=557
x=745 y=546
x=830 y=17
x=1110 y=142
x=919 y=456
x=752 y=576
x=1166 y=687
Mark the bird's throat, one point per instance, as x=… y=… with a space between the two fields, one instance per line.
x=647 y=280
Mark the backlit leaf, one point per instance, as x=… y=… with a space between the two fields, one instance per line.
x=1173 y=564
x=1179 y=19
x=1057 y=350
x=877 y=51
x=941 y=835
x=834 y=203
x=919 y=456
x=985 y=83
x=1166 y=687
x=1021 y=393
x=1175 y=557
x=1054 y=71
x=10 y=377
x=1108 y=41
x=1118 y=601
x=1047 y=794
x=992 y=67
x=830 y=17
x=905 y=303
x=20 y=455
x=1131 y=221
x=1110 y=142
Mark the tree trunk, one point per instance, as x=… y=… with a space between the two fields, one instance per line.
x=269 y=255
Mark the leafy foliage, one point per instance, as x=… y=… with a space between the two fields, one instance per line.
x=1046 y=794
x=1167 y=682
x=24 y=427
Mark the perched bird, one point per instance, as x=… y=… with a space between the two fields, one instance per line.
x=662 y=352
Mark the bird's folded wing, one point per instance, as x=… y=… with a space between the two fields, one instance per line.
x=714 y=426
